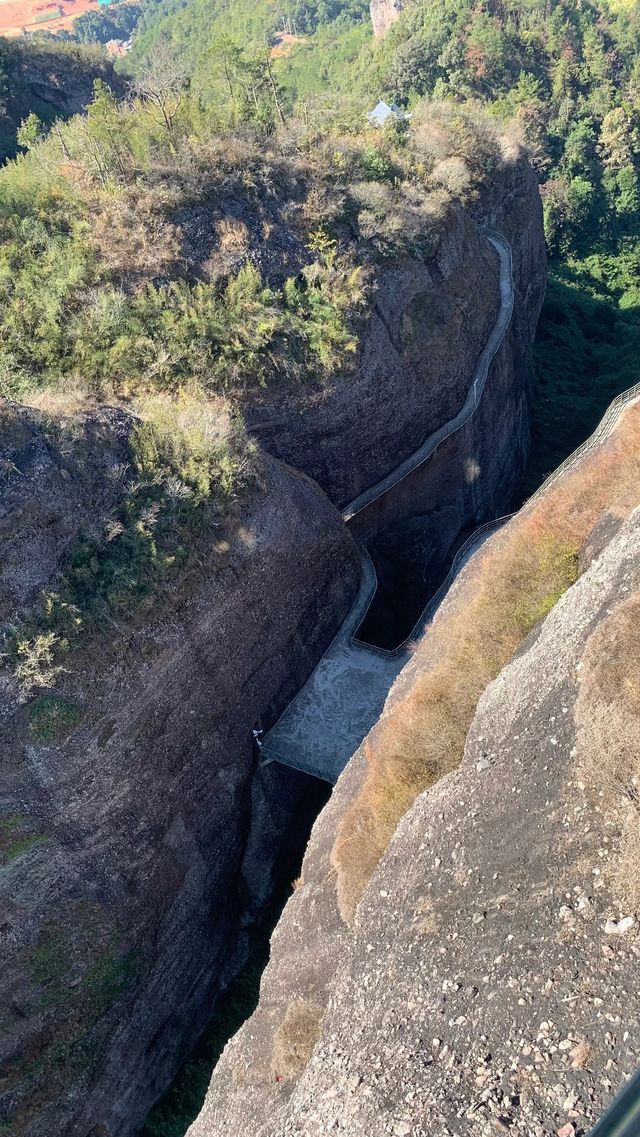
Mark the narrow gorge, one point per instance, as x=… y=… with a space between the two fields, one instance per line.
x=319 y=701
x=135 y=796
x=446 y=990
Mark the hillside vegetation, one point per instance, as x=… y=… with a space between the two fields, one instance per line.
x=113 y=289
x=564 y=77
x=105 y=291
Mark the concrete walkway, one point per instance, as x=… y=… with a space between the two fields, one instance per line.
x=340 y=701
x=344 y=696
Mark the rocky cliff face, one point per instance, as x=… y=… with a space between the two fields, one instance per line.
x=384 y=14
x=54 y=82
x=418 y=352
x=472 y=476
x=488 y=983
x=135 y=849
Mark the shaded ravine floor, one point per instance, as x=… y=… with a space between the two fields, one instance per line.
x=345 y=694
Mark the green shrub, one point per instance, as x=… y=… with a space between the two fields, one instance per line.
x=52 y=718
x=107 y=979
x=14 y=839
x=376 y=166
x=191 y=463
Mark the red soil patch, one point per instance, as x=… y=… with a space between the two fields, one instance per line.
x=18 y=14
x=284 y=43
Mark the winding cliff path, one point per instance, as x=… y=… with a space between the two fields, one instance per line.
x=474 y=394
x=326 y=721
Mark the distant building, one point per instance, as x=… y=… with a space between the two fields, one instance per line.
x=384 y=112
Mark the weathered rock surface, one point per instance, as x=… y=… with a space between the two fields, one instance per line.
x=490 y=981
x=138 y=849
x=472 y=476
x=418 y=352
x=52 y=485
x=384 y=14
x=135 y=851
x=416 y=356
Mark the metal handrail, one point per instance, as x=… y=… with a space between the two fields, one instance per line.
x=603 y=429
x=364 y=600
x=473 y=539
x=353 y=619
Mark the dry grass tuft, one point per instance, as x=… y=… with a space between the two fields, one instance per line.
x=453 y=174
x=581 y=1056
x=232 y=234
x=132 y=237
x=519 y=578
x=233 y=244
x=60 y=402
x=295 y=1039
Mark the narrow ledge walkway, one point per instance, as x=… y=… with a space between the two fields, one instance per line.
x=342 y=699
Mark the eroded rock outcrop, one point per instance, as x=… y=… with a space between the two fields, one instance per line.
x=415 y=364
x=139 y=841
x=472 y=476
x=488 y=981
x=384 y=14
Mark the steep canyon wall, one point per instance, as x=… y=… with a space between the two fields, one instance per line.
x=488 y=974
x=135 y=851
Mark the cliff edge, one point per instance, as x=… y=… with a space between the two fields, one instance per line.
x=182 y=583
x=137 y=836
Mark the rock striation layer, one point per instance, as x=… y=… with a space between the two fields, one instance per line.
x=472 y=476
x=137 y=849
x=419 y=349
